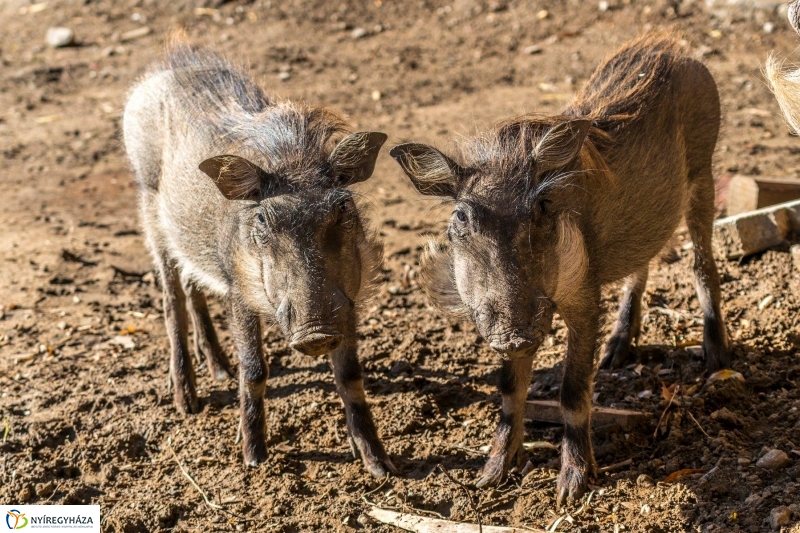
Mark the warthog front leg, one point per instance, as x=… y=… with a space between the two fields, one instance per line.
x=700 y=220
x=629 y=322
x=577 y=456
x=181 y=371
x=361 y=429
x=253 y=373
x=515 y=377
x=205 y=336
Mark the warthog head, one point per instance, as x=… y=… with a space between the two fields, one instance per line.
x=301 y=252
x=513 y=250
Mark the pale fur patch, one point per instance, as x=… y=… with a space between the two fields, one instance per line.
x=785 y=83
x=572 y=259
x=209 y=283
x=438 y=279
x=575 y=418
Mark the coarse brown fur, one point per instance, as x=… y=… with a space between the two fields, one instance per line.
x=246 y=197
x=549 y=209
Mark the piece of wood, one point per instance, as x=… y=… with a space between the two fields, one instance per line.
x=756 y=231
x=747 y=193
x=795 y=252
x=550 y=411
x=426 y=524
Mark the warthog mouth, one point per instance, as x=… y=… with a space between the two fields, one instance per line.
x=318 y=341
x=517 y=344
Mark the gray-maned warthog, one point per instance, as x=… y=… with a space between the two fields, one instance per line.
x=246 y=198
x=549 y=209
x=786 y=83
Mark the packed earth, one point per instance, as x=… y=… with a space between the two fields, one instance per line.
x=86 y=415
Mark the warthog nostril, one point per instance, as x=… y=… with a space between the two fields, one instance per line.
x=317 y=343
x=514 y=346
x=510 y=346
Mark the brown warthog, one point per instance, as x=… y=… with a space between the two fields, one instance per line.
x=785 y=83
x=549 y=209
x=246 y=198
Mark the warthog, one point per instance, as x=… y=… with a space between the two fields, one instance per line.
x=549 y=209
x=246 y=198
x=786 y=84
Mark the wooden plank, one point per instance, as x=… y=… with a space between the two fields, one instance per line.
x=756 y=231
x=427 y=524
x=748 y=193
x=550 y=411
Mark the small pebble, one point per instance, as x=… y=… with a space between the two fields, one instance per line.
x=25 y=494
x=60 y=37
x=645 y=481
x=135 y=34
x=779 y=517
x=768 y=27
x=532 y=49
x=45 y=490
x=543 y=14
x=358 y=33
x=766 y=302
x=773 y=460
x=283 y=76
x=376 y=95
x=365 y=520
x=603 y=6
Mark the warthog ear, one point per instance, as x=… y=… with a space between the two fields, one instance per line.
x=353 y=159
x=560 y=145
x=431 y=172
x=235 y=177
x=794 y=15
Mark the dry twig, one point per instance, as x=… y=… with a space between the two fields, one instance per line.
x=698 y=424
x=208 y=502
x=677 y=388
x=469 y=497
x=615 y=466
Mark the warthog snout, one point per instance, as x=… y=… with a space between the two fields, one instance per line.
x=316 y=343
x=507 y=338
x=516 y=345
x=317 y=334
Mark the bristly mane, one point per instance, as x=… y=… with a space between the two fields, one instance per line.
x=619 y=92
x=628 y=83
x=285 y=138
x=505 y=153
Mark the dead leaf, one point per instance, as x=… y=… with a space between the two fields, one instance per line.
x=673 y=477
x=668 y=392
x=722 y=375
x=130 y=330
x=687 y=343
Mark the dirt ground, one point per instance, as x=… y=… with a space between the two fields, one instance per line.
x=86 y=416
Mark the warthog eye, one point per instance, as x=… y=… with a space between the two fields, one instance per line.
x=345 y=210
x=461 y=216
x=260 y=219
